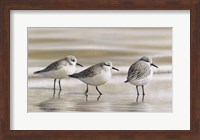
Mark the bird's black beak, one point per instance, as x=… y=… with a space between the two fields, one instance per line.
x=79 y=64
x=154 y=65
x=115 y=68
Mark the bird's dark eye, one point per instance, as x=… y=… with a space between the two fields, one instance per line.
x=73 y=60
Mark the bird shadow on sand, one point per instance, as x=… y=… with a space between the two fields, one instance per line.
x=140 y=106
x=57 y=102
x=52 y=104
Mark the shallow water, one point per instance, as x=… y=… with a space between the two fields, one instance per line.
x=122 y=46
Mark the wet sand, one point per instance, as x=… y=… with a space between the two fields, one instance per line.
x=117 y=96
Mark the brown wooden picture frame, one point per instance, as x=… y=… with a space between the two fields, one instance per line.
x=192 y=5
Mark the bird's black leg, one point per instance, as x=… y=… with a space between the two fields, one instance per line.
x=60 y=88
x=99 y=93
x=54 y=88
x=143 y=93
x=137 y=94
x=85 y=93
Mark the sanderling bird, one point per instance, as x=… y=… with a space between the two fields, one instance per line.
x=95 y=75
x=60 y=69
x=140 y=73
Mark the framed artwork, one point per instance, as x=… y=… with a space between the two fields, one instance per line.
x=100 y=70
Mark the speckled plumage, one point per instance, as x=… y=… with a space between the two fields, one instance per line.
x=138 y=70
x=140 y=73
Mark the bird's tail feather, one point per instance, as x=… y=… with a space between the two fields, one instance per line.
x=36 y=72
x=73 y=76
x=126 y=81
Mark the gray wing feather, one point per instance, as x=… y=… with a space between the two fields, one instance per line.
x=55 y=65
x=138 y=71
x=89 y=72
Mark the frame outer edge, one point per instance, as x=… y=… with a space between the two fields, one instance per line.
x=195 y=72
x=196 y=97
x=1 y=80
x=2 y=90
x=5 y=73
x=198 y=43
